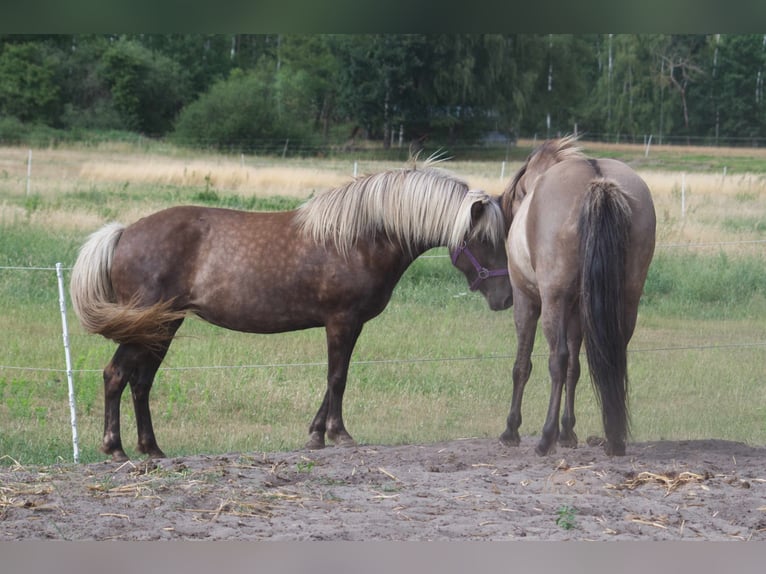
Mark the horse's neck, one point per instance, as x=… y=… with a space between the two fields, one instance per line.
x=506 y=206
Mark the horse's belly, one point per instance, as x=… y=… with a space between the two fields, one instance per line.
x=257 y=313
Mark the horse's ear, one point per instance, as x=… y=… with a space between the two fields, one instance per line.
x=477 y=211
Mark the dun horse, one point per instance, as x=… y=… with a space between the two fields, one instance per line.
x=331 y=263
x=579 y=247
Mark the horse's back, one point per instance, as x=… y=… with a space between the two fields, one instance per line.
x=166 y=254
x=561 y=191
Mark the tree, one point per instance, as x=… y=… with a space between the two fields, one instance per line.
x=28 y=87
x=682 y=66
x=739 y=93
x=560 y=84
x=242 y=112
x=310 y=57
x=205 y=58
x=148 y=90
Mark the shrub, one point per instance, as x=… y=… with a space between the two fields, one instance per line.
x=249 y=111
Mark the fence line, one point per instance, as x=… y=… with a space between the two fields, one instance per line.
x=70 y=371
x=411 y=360
x=404 y=360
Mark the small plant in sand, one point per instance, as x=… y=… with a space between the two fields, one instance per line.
x=305 y=466
x=566 y=517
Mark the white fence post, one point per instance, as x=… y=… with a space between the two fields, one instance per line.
x=67 y=354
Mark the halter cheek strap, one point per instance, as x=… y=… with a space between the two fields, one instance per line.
x=482 y=272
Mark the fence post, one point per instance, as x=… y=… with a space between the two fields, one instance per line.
x=67 y=354
x=29 y=171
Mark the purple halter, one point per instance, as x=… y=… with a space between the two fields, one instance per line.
x=482 y=272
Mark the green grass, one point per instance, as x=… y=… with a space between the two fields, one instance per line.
x=277 y=203
x=682 y=160
x=706 y=286
x=436 y=365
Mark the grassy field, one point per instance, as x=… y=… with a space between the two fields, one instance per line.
x=435 y=365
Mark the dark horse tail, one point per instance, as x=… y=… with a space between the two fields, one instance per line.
x=604 y=226
x=96 y=305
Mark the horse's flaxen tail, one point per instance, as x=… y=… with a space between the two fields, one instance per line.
x=94 y=300
x=604 y=228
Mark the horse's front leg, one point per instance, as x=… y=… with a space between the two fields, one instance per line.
x=525 y=315
x=341 y=339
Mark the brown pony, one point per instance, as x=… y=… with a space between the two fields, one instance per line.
x=332 y=263
x=579 y=247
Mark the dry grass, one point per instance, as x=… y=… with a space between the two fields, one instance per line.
x=670 y=481
x=595 y=147
x=291 y=181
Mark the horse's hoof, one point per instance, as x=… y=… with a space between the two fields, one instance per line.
x=342 y=439
x=152 y=452
x=314 y=444
x=544 y=449
x=316 y=441
x=614 y=449
x=510 y=439
x=568 y=442
x=119 y=456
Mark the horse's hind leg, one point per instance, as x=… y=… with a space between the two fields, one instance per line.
x=136 y=365
x=525 y=315
x=140 y=386
x=341 y=337
x=556 y=316
x=568 y=437
x=116 y=375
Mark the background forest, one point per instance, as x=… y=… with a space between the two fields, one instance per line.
x=255 y=93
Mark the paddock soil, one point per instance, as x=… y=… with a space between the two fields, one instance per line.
x=472 y=489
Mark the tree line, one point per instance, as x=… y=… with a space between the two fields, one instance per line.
x=249 y=91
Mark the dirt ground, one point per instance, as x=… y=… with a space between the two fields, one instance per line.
x=472 y=489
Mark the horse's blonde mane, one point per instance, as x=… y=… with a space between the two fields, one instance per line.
x=415 y=207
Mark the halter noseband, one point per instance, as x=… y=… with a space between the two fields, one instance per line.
x=482 y=272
